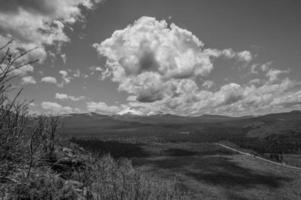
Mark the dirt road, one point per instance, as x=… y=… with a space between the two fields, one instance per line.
x=258 y=157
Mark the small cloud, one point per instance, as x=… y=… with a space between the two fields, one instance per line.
x=255 y=81
x=95 y=69
x=265 y=67
x=49 y=79
x=257 y=68
x=98 y=69
x=26 y=80
x=64 y=58
x=76 y=73
x=62 y=96
x=131 y=98
x=254 y=69
x=244 y=56
x=65 y=76
x=208 y=84
x=23 y=71
x=55 y=108
x=273 y=74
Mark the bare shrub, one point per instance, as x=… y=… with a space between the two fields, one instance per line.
x=42 y=185
x=106 y=178
x=13 y=113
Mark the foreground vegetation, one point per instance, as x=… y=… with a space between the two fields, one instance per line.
x=36 y=163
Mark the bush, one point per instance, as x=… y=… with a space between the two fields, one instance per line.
x=107 y=178
x=42 y=185
x=13 y=113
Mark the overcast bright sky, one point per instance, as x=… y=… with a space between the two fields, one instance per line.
x=189 y=57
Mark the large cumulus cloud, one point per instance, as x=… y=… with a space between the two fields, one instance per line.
x=164 y=68
x=148 y=56
x=150 y=45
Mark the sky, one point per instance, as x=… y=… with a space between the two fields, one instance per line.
x=187 y=58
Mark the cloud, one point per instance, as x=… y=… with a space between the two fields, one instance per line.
x=62 y=96
x=28 y=80
x=262 y=68
x=22 y=71
x=288 y=101
x=76 y=73
x=208 y=84
x=64 y=58
x=98 y=69
x=40 y=22
x=255 y=81
x=273 y=74
x=95 y=69
x=65 y=76
x=244 y=56
x=49 y=79
x=16 y=48
x=55 y=108
x=102 y=73
x=151 y=45
x=229 y=94
x=102 y=107
x=148 y=57
x=65 y=79
x=231 y=99
x=165 y=69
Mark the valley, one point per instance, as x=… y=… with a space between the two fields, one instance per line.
x=210 y=157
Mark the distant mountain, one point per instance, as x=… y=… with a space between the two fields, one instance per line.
x=205 y=126
x=280 y=132
x=276 y=124
x=134 y=116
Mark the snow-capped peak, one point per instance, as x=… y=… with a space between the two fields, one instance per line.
x=130 y=111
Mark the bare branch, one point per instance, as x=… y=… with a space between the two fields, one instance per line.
x=7 y=44
x=23 y=54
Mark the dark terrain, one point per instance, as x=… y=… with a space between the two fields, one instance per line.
x=186 y=149
x=274 y=133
